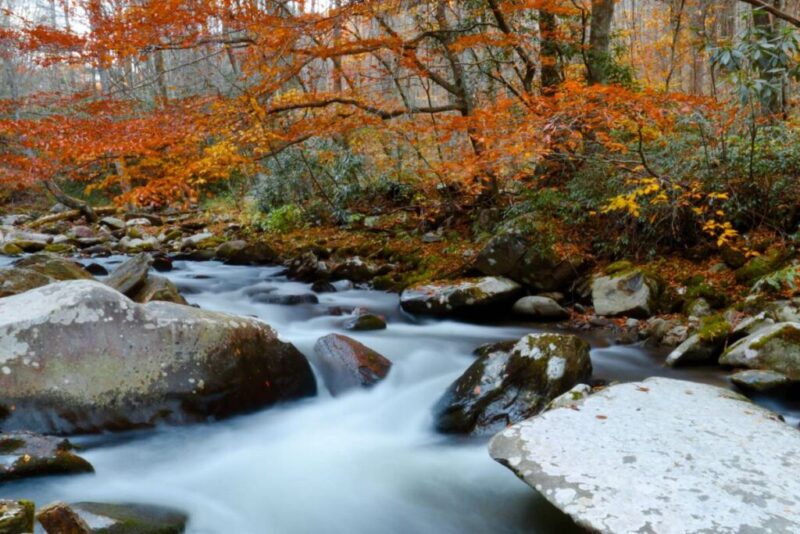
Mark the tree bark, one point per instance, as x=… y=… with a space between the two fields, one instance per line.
x=599 y=56
x=548 y=55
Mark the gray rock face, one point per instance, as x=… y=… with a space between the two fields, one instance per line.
x=131 y=276
x=113 y=223
x=38 y=270
x=346 y=364
x=752 y=380
x=31 y=455
x=631 y=294
x=27 y=241
x=158 y=288
x=774 y=348
x=695 y=351
x=80 y=357
x=507 y=384
x=661 y=456
x=514 y=256
x=469 y=295
x=540 y=308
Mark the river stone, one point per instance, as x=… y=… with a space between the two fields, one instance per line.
x=59 y=518
x=465 y=296
x=696 y=351
x=503 y=387
x=514 y=255
x=356 y=270
x=347 y=364
x=661 y=455
x=113 y=223
x=158 y=288
x=27 y=241
x=364 y=321
x=130 y=277
x=16 y=517
x=26 y=454
x=105 y=518
x=761 y=381
x=55 y=267
x=572 y=398
x=241 y=252
x=631 y=294
x=773 y=348
x=540 y=308
x=80 y=357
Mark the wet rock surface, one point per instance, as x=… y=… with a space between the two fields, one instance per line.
x=80 y=357
x=509 y=383
x=129 y=277
x=16 y=517
x=347 y=364
x=26 y=454
x=462 y=297
x=661 y=455
x=104 y=518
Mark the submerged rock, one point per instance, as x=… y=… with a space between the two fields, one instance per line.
x=30 y=455
x=465 y=296
x=540 y=308
x=506 y=386
x=16 y=517
x=81 y=357
x=631 y=293
x=661 y=456
x=346 y=364
x=129 y=277
x=105 y=518
x=773 y=348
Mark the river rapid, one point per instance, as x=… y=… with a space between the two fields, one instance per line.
x=366 y=462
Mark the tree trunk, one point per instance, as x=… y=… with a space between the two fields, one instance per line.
x=599 y=55
x=548 y=55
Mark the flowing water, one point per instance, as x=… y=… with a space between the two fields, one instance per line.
x=366 y=462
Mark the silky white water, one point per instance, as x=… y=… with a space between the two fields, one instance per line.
x=366 y=462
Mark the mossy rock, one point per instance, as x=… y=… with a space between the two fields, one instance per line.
x=10 y=249
x=59 y=248
x=132 y=518
x=38 y=455
x=16 y=517
x=53 y=266
x=773 y=348
x=714 y=328
x=762 y=265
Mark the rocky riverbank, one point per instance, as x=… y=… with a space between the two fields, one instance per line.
x=87 y=350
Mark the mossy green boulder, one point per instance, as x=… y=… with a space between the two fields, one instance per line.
x=16 y=517
x=773 y=348
x=32 y=455
x=106 y=518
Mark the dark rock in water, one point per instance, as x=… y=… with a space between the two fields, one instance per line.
x=162 y=264
x=81 y=357
x=514 y=255
x=356 y=270
x=308 y=267
x=16 y=517
x=268 y=295
x=98 y=251
x=346 y=364
x=243 y=253
x=323 y=286
x=14 y=281
x=59 y=518
x=365 y=321
x=38 y=455
x=56 y=267
x=196 y=255
x=96 y=269
x=466 y=296
x=507 y=386
x=129 y=277
x=158 y=288
x=106 y=518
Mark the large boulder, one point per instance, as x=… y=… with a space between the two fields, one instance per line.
x=773 y=348
x=81 y=357
x=347 y=364
x=131 y=276
x=630 y=293
x=460 y=297
x=661 y=456
x=58 y=518
x=507 y=384
x=104 y=518
x=241 y=252
x=31 y=455
x=540 y=308
x=518 y=256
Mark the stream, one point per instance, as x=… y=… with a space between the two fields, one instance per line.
x=365 y=462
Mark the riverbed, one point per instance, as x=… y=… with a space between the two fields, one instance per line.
x=366 y=462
